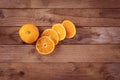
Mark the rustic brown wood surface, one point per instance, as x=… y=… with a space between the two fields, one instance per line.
x=59 y=71
x=59 y=4
x=93 y=54
x=85 y=35
x=48 y=17
x=63 y=53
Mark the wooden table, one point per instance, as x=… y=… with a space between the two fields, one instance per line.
x=93 y=54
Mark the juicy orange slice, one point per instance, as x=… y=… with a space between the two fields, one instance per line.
x=70 y=28
x=45 y=45
x=59 y=28
x=52 y=34
x=29 y=33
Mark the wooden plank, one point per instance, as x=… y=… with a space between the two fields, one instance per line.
x=62 y=53
x=48 y=17
x=59 y=3
x=85 y=35
x=59 y=71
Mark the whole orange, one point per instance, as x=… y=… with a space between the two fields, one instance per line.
x=29 y=33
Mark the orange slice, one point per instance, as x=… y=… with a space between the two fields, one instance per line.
x=70 y=28
x=52 y=34
x=59 y=28
x=45 y=45
x=29 y=33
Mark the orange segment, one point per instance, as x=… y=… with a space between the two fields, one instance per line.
x=45 y=45
x=59 y=28
x=29 y=33
x=52 y=34
x=70 y=28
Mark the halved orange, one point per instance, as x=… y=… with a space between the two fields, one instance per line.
x=59 y=28
x=29 y=33
x=45 y=45
x=52 y=34
x=70 y=28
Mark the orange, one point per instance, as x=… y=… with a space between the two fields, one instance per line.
x=70 y=28
x=45 y=45
x=52 y=34
x=59 y=28
x=29 y=33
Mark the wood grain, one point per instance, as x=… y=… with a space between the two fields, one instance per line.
x=59 y=3
x=62 y=53
x=48 y=17
x=85 y=35
x=59 y=71
x=93 y=54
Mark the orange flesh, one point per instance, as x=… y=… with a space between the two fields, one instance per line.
x=45 y=45
x=52 y=34
x=70 y=28
x=59 y=28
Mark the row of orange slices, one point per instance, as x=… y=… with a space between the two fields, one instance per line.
x=29 y=33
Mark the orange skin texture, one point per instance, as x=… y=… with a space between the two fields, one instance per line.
x=29 y=33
